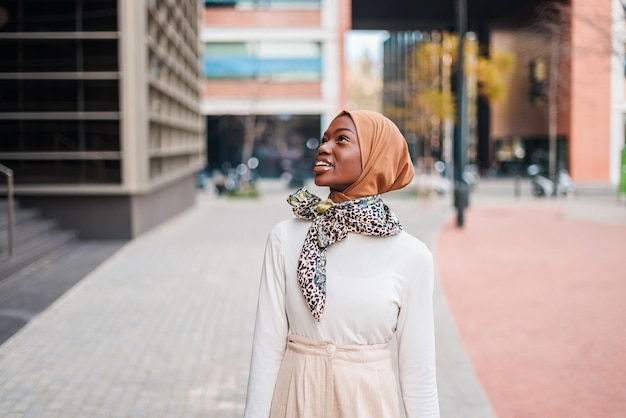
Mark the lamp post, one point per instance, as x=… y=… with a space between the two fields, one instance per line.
x=461 y=189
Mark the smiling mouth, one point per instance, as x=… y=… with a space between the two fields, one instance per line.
x=321 y=167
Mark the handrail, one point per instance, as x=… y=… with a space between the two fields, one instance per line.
x=9 y=175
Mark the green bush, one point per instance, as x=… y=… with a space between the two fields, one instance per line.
x=249 y=192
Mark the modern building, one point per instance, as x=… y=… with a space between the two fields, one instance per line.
x=273 y=68
x=577 y=47
x=586 y=43
x=274 y=72
x=100 y=110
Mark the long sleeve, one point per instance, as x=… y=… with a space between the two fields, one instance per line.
x=270 y=333
x=416 y=342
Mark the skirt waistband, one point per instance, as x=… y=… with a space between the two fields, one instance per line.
x=363 y=353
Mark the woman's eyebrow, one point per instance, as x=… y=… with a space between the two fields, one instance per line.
x=325 y=135
x=345 y=129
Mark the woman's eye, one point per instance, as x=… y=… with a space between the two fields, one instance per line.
x=342 y=138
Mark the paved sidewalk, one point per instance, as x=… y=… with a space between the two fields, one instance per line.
x=163 y=328
x=28 y=292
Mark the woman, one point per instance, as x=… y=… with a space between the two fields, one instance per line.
x=337 y=282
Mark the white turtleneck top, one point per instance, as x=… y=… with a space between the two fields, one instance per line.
x=375 y=287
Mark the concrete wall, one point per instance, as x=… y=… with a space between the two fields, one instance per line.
x=149 y=210
x=115 y=217
x=91 y=217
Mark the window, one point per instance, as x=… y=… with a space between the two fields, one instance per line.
x=100 y=55
x=58 y=95
x=47 y=16
x=101 y=95
x=67 y=171
x=276 y=61
x=99 y=15
x=32 y=55
x=59 y=15
x=264 y=4
x=58 y=55
x=59 y=135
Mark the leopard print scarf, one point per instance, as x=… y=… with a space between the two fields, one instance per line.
x=331 y=223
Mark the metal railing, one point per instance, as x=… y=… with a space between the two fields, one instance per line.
x=9 y=175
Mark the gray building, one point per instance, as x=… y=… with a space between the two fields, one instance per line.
x=100 y=110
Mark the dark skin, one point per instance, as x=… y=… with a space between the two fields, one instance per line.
x=338 y=161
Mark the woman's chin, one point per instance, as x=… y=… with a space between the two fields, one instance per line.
x=323 y=184
x=319 y=182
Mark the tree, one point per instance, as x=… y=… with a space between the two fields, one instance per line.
x=425 y=109
x=554 y=19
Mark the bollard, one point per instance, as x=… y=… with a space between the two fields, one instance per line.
x=461 y=201
x=517 y=187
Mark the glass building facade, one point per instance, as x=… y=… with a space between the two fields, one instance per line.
x=100 y=101
x=59 y=92
x=280 y=61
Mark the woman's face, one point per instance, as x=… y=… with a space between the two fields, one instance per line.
x=338 y=161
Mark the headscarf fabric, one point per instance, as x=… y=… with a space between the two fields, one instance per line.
x=385 y=160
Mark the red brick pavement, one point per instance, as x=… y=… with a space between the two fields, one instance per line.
x=540 y=302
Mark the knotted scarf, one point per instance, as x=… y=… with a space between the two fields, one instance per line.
x=331 y=223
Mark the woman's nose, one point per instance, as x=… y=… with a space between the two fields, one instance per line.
x=324 y=148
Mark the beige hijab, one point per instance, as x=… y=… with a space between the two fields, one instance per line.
x=385 y=157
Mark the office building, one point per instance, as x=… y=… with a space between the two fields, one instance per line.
x=583 y=41
x=100 y=110
x=273 y=68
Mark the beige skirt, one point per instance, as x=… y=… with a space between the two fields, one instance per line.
x=318 y=379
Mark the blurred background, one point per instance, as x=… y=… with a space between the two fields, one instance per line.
x=109 y=107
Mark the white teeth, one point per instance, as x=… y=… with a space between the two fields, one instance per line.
x=322 y=163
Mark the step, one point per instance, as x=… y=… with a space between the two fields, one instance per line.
x=25 y=232
x=4 y=203
x=33 y=250
x=31 y=290
x=20 y=217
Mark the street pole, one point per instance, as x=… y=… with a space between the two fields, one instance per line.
x=461 y=189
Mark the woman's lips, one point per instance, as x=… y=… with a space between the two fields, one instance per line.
x=321 y=167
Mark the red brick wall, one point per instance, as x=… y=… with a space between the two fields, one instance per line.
x=251 y=89
x=261 y=18
x=590 y=85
